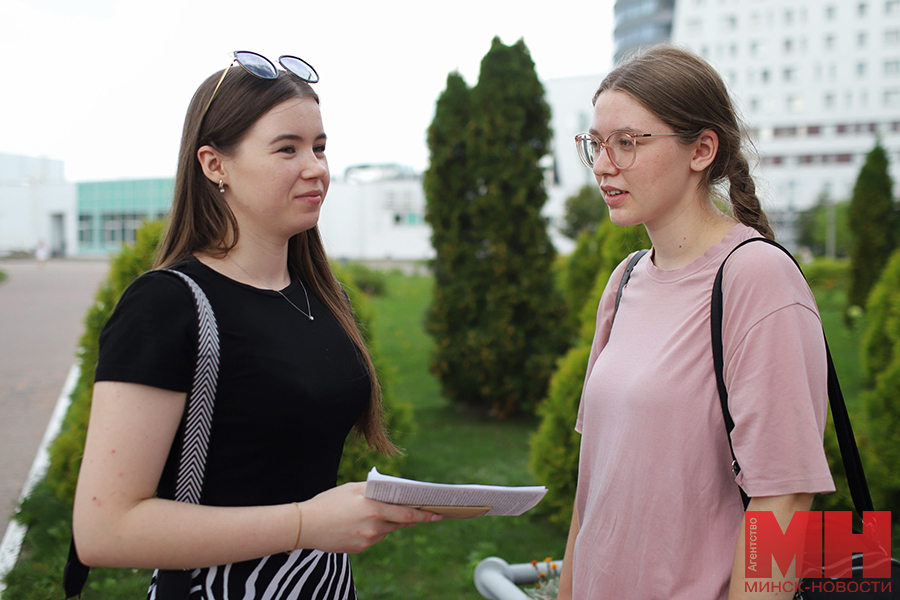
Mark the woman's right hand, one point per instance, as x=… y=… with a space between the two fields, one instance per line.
x=342 y=519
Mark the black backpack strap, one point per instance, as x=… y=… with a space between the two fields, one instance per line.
x=626 y=276
x=192 y=460
x=856 y=478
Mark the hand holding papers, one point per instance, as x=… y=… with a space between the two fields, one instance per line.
x=453 y=501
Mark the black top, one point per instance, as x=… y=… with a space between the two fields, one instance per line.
x=289 y=389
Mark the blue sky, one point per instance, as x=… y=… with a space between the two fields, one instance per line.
x=103 y=84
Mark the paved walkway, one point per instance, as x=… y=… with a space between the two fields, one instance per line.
x=42 y=310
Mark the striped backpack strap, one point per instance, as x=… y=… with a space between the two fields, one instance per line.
x=192 y=463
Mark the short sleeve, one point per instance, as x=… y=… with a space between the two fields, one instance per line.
x=151 y=336
x=776 y=374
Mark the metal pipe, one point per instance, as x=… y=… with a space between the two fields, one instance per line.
x=495 y=579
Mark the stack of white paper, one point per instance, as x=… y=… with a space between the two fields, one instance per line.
x=480 y=499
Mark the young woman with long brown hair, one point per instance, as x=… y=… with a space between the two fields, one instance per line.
x=294 y=375
x=658 y=512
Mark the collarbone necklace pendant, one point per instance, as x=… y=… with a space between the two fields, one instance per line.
x=307 y=314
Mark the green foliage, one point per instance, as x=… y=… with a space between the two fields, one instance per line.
x=555 y=446
x=497 y=318
x=881 y=360
x=580 y=270
x=828 y=273
x=370 y=281
x=814 y=223
x=357 y=460
x=584 y=211
x=66 y=450
x=871 y=219
x=879 y=349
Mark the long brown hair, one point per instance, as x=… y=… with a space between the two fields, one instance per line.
x=201 y=221
x=686 y=93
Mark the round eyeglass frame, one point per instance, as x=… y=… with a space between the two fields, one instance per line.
x=584 y=142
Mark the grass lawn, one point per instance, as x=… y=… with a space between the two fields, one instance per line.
x=451 y=446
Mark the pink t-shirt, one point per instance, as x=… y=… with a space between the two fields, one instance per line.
x=659 y=508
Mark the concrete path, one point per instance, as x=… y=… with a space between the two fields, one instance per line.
x=42 y=310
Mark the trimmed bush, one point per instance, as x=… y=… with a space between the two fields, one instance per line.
x=497 y=320
x=872 y=220
x=881 y=361
x=555 y=446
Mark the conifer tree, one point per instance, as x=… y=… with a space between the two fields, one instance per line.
x=881 y=361
x=871 y=220
x=498 y=322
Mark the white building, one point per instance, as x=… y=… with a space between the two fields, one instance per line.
x=571 y=113
x=37 y=206
x=373 y=213
x=376 y=214
x=817 y=81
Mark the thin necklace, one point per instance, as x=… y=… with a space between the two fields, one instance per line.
x=307 y=314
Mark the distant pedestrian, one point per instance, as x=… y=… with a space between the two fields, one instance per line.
x=658 y=511
x=294 y=378
x=42 y=253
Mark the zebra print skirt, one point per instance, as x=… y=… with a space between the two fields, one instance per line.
x=300 y=575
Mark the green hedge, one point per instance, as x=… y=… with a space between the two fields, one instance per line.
x=555 y=445
x=881 y=360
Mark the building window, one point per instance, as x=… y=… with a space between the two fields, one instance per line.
x=892 y=98
x=892 y=67
x=829 y=100
x=892 y=37
x=120 y=228
x=788 y=45
x=85 y=230
x=795 y=103
x=814 y=130
x=861 y=39
x=764 y=76
x=862 y=8
x=789 y=74
x=861 y=69
x=892 y=7
x=409 y=219
x=754 y=104
x=788 y=17
x=781 y=132
x=829 y=41
x=829 y=12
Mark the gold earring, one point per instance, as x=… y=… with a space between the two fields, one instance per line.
x=221 y=186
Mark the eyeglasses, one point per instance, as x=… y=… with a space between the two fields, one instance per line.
x=620 y=147
x=260 y=66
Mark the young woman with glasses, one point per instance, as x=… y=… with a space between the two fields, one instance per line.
x=294 y=374
x=658 y=513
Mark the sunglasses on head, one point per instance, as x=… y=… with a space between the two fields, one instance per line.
x=260 y=66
